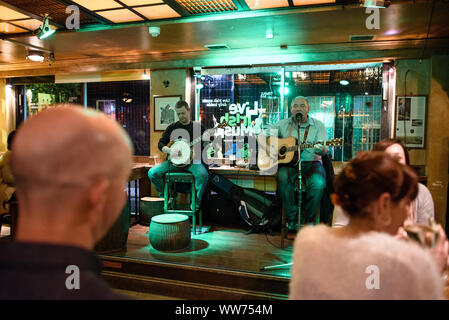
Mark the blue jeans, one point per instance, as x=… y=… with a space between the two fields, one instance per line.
x=156 y=175
x=314 y=175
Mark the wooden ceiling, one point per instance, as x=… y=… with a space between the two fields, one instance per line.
x=114 y=33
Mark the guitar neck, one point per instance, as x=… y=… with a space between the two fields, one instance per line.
x=306 y=145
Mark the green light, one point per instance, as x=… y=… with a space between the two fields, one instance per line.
x=46 y=34
x=286 y=90
x=344 y=82
x=44 y=31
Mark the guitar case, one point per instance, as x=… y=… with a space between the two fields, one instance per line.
x=257 y=209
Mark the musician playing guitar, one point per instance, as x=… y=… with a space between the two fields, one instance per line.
x=312 y=169
x=188 y=130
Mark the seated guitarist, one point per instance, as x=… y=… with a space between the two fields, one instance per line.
x=183 y=128
x=313 y=173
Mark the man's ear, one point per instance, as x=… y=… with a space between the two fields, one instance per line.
x=97 y=200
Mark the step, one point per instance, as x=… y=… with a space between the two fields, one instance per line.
x=191 y=282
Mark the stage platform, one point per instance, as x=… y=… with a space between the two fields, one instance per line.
x=223 y=263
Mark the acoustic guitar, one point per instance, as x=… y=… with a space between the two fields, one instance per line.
x=285 y=150
x=182 y=152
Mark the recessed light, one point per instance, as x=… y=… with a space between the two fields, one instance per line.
x=35 y=56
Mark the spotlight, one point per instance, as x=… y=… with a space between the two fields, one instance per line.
x=344 y=82
x=44 y=31
x=36 y=56
x=375 y=3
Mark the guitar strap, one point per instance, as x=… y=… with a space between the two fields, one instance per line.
x=306 y=133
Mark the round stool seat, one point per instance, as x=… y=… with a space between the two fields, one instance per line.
x=169 y=232
x=148 y=208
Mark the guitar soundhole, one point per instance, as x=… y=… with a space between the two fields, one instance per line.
x=282 y=152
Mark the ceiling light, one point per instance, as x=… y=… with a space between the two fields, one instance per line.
x=375 y=3
x=44 y=31
x=36 y=56
x=154 y=31
x=344 y=82
x=127 y=98
x=269 y=33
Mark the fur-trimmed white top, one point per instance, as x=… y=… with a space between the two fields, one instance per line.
x=372 y=266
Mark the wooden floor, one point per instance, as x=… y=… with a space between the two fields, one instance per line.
x=220 y=264
x=220 y=248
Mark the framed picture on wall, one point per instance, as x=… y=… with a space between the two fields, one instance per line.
x=164 y=111
x=410 y=124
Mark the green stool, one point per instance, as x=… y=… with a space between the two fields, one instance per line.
x=183 y=177
x=169 y=232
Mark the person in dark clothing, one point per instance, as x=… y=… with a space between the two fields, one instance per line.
x=70 y=191
x=189 y=131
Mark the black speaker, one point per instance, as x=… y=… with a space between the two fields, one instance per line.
x=224 y=187
x=220 y=211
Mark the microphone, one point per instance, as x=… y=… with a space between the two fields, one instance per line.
x=298 y=117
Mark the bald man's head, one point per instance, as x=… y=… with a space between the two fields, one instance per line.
x=68 y=146
x=70 y=167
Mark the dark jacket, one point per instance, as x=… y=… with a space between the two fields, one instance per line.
x=40 y=271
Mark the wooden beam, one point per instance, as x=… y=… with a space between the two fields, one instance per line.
x=27 y=13
x=206 y=59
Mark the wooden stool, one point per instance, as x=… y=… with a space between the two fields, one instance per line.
x=183 y=177
x=148 y=208
x=170 y=232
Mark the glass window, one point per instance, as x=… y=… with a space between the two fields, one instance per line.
x=129 y=103
x=43 y=95
x=348 y=102
x=248 y=103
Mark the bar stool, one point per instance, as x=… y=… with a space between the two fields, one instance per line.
x=183 y=177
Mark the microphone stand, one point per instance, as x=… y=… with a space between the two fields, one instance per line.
x=298 y=119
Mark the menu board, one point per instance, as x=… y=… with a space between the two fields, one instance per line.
x=411 y=120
